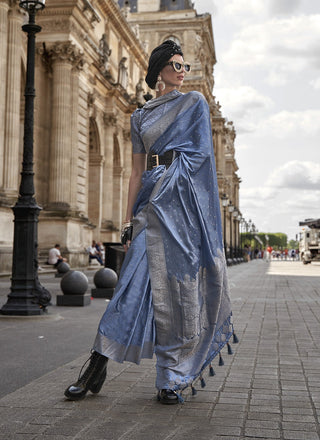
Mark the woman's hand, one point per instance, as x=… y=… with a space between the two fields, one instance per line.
x=138 y=167
x=126 y=234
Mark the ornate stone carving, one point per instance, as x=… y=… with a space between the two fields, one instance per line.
x=139 y=99
x=110 y=119
x=105 y=52
x=215 y=107
x=198 y=48
x=65 y=51
x=91 y=107
x=90 y=13
x=230 y=135
x=56 y=24
x=125 y=11
x=231 y=129
x=145 y=45
x=136 y=30
x=123 y=73
x=104 y=48
x=91 y=98
x=15 y=9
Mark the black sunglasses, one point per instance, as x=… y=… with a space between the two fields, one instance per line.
x=178 y=67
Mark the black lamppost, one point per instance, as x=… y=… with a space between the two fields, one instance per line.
x=242 y=224
x=27 y=296
x=230 y=209
x=224 y=201
x=238 y=226
x=235 y=244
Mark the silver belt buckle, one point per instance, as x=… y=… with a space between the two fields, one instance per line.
x=157 y=160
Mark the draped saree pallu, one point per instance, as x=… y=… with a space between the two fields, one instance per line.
x=172 y=296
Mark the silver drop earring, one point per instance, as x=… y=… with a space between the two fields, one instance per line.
x=159 y=84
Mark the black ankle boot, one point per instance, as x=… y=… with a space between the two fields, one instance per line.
x=168 y=397
x=92 y=379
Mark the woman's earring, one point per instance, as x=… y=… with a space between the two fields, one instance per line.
x=159 y=84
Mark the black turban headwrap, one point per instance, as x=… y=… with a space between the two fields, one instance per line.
x=159 y=58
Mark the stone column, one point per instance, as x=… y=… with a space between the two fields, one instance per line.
x=64 y=56
x=13 y=98
x=95 y=189
x=110 y=122
x=74 y=134
x=3 y=77
x=218 y=147
x=127 y=167
x=117 y=199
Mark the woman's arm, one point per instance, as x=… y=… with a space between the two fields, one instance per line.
x=138 y=167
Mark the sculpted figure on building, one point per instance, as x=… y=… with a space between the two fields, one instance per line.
x=105 y=52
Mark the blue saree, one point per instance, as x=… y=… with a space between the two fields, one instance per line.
x=172 y=296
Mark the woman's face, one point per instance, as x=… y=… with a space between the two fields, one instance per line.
x=171 y=78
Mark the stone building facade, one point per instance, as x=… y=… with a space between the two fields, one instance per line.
x=90 y=64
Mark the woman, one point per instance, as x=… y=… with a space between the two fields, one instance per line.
x=172 y=295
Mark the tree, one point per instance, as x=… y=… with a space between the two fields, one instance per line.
x=293 y=244
x=278 y=240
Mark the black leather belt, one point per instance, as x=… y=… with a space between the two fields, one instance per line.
x=154 y=160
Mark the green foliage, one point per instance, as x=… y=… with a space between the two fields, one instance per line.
x=277 y=240
x=293 y=244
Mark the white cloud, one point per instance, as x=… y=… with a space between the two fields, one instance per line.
x=243 y=8
x=308 y=201
x=257 y=196
x=243 y=147
x=296 y=175
x=281 y=212
x=290 y=194
x=279 y=46
x=276 y=78
x=283 y=6
x=249 y=114
x=286 y=124
x=316 y=83
x=244 y=101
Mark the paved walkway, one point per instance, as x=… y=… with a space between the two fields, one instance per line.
x=268 y=389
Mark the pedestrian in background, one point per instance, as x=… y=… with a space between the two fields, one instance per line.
x=55 y=256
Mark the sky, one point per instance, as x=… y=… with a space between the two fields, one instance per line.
x=267 y=81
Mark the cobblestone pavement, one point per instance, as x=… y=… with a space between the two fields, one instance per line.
x=268 y=389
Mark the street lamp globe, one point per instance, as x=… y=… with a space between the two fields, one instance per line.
x=32 y=5
x=224 y=200
x=230 y=207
